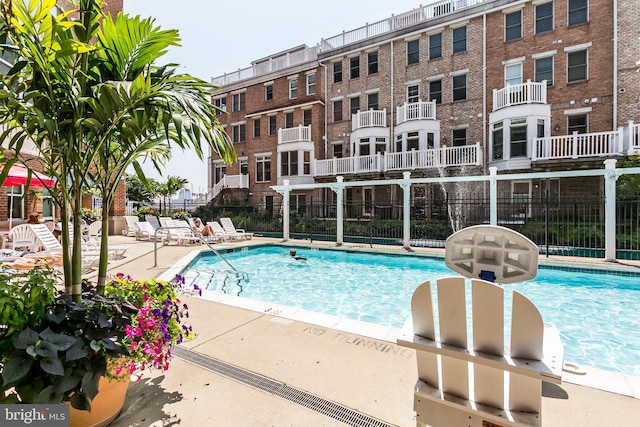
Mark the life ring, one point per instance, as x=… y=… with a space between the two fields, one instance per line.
x=573 y=368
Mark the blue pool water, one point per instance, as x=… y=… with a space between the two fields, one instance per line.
x=597 y=314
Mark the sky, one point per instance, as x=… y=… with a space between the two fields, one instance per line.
x=219 y=37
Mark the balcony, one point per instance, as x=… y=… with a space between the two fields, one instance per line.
x=416 y=111
x=578 y=145
x=367 y=119
x=523 y=93
x=297 y=134
x=468 y=155
x=228 y=181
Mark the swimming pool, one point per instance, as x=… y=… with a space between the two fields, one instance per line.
x=596 y=313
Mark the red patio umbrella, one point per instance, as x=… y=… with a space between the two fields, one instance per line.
x=19 y=175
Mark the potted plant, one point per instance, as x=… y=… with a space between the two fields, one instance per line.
x=55 y=350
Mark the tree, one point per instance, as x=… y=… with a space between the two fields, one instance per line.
x=171 y=187
x=137 y=191
x=87 y=92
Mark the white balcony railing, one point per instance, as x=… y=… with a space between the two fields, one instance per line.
x=367 y=119
x=523 y=93
x=349 y=165
x=297 y=134
x=228 y=181
x=578 y=145
x=634 y=139
x=416 y=111
x=468 y=155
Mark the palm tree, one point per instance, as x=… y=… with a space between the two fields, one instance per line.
x=87 y=92
x=173 y=185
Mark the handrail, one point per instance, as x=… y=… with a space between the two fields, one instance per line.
x=198 y=235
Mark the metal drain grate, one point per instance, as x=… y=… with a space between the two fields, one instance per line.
x=302 y=398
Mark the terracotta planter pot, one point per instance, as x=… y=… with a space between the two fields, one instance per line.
x=105 y=407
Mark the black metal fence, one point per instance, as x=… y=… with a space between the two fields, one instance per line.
x=560 y=226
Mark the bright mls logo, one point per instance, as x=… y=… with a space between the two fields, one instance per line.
x=34 y=415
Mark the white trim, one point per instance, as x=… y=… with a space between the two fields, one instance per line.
x=459 y=72
x=412 y=82
x=308 y=73
x=412 y=38
x=513 y=9
x=276 y=110
x=354 y=95
x=243 y=122
x=270 y=82
x=577 y=47
x=459 y=24
x=235 y=92
x=514 y=61
x=544 y=54
x=269 y=153
x=436 y=77
x=292 y=77
x=376 y=90
x=577 y=111
x=337 y=98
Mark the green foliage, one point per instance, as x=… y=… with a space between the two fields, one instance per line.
x=629 y=184
x=143 y=212
x=180 y=214
x=89 y=215
x=137 y=191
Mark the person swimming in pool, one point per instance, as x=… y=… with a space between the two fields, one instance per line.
x=292 y=254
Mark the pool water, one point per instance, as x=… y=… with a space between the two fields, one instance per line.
x=597 y=314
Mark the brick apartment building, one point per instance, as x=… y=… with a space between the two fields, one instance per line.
x=452 y=88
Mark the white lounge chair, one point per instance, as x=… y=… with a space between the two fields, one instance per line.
x=444 y=395
x=130 y=229
x=94 y=231
x=220 y=232
x=231 y=230
x=145 y=231
x=182 y=235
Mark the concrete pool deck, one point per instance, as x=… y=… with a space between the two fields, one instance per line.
x=253 y=364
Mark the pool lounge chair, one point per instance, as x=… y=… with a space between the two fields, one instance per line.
x=130 y=229
x=231 y=230
x=444 y=395
x=145 y=231
x=183 y=235
x=221 y=233
x=22 y=237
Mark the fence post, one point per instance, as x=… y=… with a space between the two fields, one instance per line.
x=610 y=210
x=493 y=196
x=406 y=199
x=339 y=190
x=285 y=213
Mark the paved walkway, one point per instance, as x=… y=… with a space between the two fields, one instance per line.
x=251 y=368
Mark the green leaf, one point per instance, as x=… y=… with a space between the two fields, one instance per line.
x=90 y=384
x=46 y=349
x=81 y=402
x=48 y=395
x=77 y=351
x=65 y=383
x=61 y=341
x=52 y=366
x=25 y=338
x=16 y=369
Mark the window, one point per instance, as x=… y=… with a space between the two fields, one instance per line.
x=578 y=11
x=268 y=92
x=381 y=145
x=311 y=84
x=540 y=129
x=431 y=137
x=238 y=133
x=293 y=88
x=518 y=137
x=337 y=111
x=272 y=125
x=513 y=26
x=413 y=141
x=544 y=17
x=459 y=39
x=513 y=74
x=435 y=91
x=244 y=167
x=256 y=128
x=289 y=163
x=337 y=72
x=306 y=162
x=354 y=67
x=47 y=205
x=460 y=87
x=372 y=101
x=544 y=70
x=288 y=120
x=498 y=141
x=221 y=104
x=364 y=148
x=372 y=62
x=238 y=101
x=219 y=172
x=306 y=117
x=337 y=151
x=435 y=46
x=398 y=143
x=459 y=137
x=577 y=66
x=413 y=94
x=577 y=123
x=413 y=52
x=263 y=168
x=15 y=198
x=354 y=105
